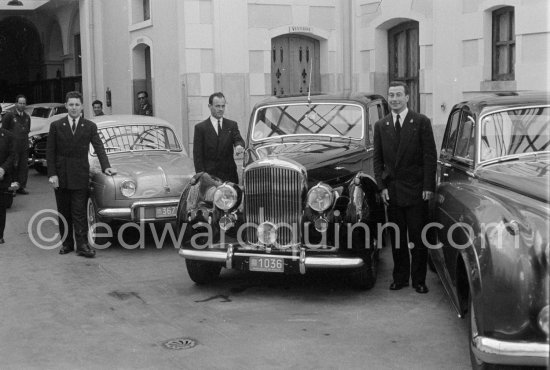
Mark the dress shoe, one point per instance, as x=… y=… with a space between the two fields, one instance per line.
x=398 y=286
x=66 y=249
x=2 y=241
x=85 y=251
x=22 y=191
x=421 y=288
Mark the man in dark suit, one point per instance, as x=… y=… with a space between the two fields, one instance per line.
x=404 y=165
x=68 y=170
x=19 y=123
x=7 y=155
x=214 y=140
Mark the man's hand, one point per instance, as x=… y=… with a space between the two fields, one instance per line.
x=239 y=149
x=2 y=172
x=385 y=196
x=427 y=195
x=54 y=181
x=110 y=171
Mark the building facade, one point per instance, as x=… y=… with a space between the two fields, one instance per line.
x=182 y=51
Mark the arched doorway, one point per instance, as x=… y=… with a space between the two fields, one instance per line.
x=404 y=59
x=21 y=58
x=141 y=78
x=294 y=65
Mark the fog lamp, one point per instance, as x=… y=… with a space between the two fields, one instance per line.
x=542 y=319
x=226 y=222
x=225 y=197
x=128 y=188
x=321 y=224
x=267 y=233
x=320 y=197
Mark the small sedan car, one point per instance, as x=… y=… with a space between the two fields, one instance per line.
x=153 y=169
x=492 y=212
x=308 y=198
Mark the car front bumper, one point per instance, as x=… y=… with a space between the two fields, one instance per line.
x=226 y=255
x=141 y=211
x=501 y=352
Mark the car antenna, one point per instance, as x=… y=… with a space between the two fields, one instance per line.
x=309 y=85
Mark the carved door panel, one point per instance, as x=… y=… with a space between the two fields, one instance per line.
x=293 y=60
x=404 y=59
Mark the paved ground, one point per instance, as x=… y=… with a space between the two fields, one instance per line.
x=120 y=309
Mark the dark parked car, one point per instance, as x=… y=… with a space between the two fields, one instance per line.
x=492 y=211
x=308 y=198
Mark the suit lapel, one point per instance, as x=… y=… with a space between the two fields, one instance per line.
x=390 y=131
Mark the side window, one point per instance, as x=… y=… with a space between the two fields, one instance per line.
x=451 y=134
x=374 y=116
x=465 y=143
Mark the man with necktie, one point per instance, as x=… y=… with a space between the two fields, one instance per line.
x=69 y=140
x=214 y=140
x=19 y=124
x=405 y=160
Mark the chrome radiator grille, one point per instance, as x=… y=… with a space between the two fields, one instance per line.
x=274 y=194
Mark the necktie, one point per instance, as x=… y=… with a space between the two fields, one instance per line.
x=74 y=126
x=397 y=127
x=219 y=128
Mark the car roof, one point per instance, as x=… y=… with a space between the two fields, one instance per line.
x=351 y=97
x=45 y=105
x=128 y=119
x=493 y=101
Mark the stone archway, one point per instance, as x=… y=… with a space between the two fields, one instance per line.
x=21 y=57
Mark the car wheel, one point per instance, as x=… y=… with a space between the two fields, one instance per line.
x=203 y=272
x=365 y=277
x=92 y=218
x=43 y=170
x=472 y=326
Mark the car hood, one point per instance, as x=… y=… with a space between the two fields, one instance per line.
x=325 y=161
x=39 y=126
x=527 y=176
x=157 y=174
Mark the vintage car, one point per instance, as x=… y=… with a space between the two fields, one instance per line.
x=42 y=115
x=153 y=169
x=308 y=199
x=492 y=212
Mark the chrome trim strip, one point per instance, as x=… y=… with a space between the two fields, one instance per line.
x=510 y=353
x=115 y=212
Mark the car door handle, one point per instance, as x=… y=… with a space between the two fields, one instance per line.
x=444 y=164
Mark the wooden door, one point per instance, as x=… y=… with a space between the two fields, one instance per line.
x=404 y=59
x=294 y=65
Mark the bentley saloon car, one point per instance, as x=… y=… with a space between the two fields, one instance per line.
x=492 y=211
x=308 y=198
x=153 y=169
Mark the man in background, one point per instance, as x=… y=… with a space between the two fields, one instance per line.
x=145 y=108
x=97 y=106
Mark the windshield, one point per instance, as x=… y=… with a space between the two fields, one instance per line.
x=138 y=138
x=42 y=112
x=515 y=132
x=344 y=120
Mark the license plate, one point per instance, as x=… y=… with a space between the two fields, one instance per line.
x=162 y=212
x=268 y=264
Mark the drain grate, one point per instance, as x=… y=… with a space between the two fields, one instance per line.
x=180 y=343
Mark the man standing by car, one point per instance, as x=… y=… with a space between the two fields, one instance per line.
x=19 y=123
x=405 y=160
x=7 y=156
x=68 y=170
x=214 y=140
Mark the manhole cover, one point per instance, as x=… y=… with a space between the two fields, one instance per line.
x=180 y=343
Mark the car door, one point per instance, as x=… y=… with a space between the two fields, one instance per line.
x=454 y=172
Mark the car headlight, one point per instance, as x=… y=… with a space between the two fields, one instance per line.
x=225 y=197
x=542 y=319
x=320 y=197
x=128 y=188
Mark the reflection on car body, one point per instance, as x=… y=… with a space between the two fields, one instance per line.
x=308 y=199
x=153 y=169
x=492 y=210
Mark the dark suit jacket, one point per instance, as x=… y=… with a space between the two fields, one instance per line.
x=67 y=154
x=7 y=156
x=20 y=127
x=213 y=154
x=408 y=169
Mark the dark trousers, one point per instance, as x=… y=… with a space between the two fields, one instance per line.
x=21 y=167
x=71 y=205
x=3 y=204
x=409 y=220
